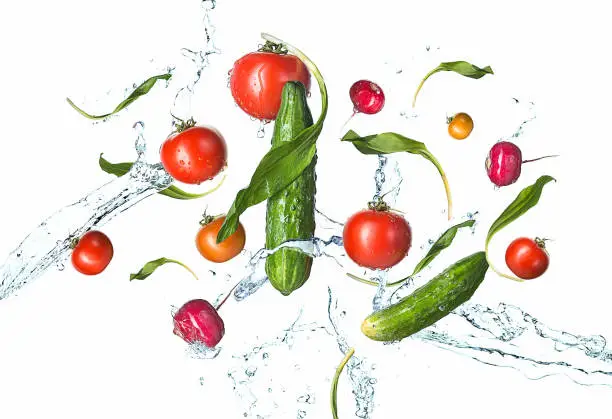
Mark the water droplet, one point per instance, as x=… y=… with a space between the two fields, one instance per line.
x=60 y=266
x=250 y=371
x=261 y=131
x=201 y=381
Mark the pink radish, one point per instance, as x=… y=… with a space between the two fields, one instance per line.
x=197 y=321
x=504 y=163
x=367 y=98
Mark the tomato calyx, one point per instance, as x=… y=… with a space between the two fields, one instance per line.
x=541 y=242
x=449 y=119
x=274 y=48
x=207 y=219
x=74 y=242
x=378 y=205
x=181 y=125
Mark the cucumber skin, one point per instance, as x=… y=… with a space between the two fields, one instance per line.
x=429 y=303
x=290 y=213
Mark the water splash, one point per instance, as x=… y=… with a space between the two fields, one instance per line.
x=199 y=59
x=358 y=369
x=531 y=116
x=50 y=243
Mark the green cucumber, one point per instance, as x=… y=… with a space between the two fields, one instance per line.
x=290 y=213
x=429 y=303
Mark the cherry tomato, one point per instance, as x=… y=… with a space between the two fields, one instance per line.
x=257 y=81
x=527 y=258
x=460 y=126
x=93 y=253
x=206 y=242
x=377 y=239
x=194 y=155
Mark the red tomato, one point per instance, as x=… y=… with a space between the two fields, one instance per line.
x=206 y=242
x=93 y=253
x=194 y=155
x=377 y=239
x=527 y=258
x=257 y=81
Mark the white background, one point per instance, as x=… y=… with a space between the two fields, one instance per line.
x=74 y=346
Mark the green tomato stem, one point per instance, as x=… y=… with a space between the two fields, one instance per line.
x=334 y=389
x=435 y=70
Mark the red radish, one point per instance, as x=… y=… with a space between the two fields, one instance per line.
x=504 y=162
x=197 y=321
x=367 y=97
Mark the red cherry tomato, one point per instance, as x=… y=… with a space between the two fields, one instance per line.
x=194 y=155
x=257 y=81
x=93 y=253
x=206 y=242
x=377 y=239
x=527 y=258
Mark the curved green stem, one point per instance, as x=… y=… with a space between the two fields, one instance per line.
x=311 y=66
x=435 y=70
x=184 y=266
x=494 y=269
x=449 y=198
x=334 y=389
x=374 y=283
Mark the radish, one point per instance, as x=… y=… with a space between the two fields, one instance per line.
x=197 y=321
x=504 y=163
x=367 y=98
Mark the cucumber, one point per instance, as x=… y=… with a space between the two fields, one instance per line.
x=290 y=213
x=429 y=303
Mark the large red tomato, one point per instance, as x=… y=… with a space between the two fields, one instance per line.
x=377 y=239
x=194 y=155
x=257 y=81
x=527 y=258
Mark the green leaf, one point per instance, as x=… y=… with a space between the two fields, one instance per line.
x=525 y=200
x=120 y=169
x=390 y=142
x=141 y=90
x=282 y=164
x=444 y=241
x=460 y=67
x=151 y=266
x=334 y=388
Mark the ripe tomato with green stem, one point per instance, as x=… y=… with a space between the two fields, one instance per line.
x=193 y=154
x=377 y=238
x=527 y=258
x=257 y=80
x=92 y=253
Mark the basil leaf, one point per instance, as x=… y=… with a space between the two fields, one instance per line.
x=390 y=142
x=120 y=169
x=444 y=241
x=334 y=389
x=141 y=90
x=282 y=164
x=151 y=266
x=460 y=67
x=525 y=200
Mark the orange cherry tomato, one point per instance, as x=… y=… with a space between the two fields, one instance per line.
x=460 y=126
x=206 y=242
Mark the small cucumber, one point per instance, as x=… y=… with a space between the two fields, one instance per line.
x=430 y=303
x=290 y=213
